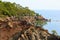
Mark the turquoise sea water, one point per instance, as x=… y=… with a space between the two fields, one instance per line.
x=54 y=15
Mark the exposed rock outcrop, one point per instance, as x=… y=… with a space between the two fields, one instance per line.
x=16 y=29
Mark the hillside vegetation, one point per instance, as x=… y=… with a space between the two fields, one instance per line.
x=13 y=9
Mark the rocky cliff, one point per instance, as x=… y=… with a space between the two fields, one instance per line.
x=12 y=28
x=21 y=23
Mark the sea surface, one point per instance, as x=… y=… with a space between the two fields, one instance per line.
x=54 y=15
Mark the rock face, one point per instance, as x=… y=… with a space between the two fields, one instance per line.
x=33 y=34
x=15 y=29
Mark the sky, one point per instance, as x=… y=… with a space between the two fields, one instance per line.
x=49 y=9
x=39 y=4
